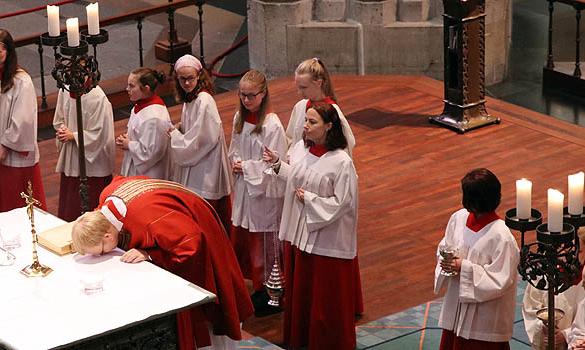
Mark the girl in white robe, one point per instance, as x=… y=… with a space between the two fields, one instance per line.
x=146 y=142
x=100 y=148
x=257 y=201
x=319 y=227
x=314 y=85
x=478 y=307
x=535 y=299
x=198 y=146
x=19 y=152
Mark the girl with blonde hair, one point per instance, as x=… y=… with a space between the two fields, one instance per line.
x=314 y=84
x=257 y=201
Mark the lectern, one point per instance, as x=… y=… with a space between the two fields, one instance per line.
x=464 y=65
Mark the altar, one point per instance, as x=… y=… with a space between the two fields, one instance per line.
x=135 y=309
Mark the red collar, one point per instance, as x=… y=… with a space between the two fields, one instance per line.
x=318 y=150
x=252 y=118
x=191 y=96
x=86 y=85
x=145 y=102
x=326 y=100
x=475 y=224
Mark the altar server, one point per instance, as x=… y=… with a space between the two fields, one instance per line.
x=98 y=134
x=319 y=228
x=146 y=143
x=478 y=307
x=567 y=301
x=19 y=151
x=257 y=199
x=176 y=229
x=198 y=146
x=314 y=85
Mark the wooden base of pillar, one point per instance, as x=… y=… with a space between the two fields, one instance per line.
x=464 y=118
x=162 y=50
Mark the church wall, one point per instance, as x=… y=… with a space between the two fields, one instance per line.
x=365 y=36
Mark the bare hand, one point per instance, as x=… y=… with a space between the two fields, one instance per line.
x=3 y=152
x=269 y=156
x=237 y=167
x=578 y=344
x=134 y=256
x=300 y=194
x=64 y=134
x=178 y=126
x=451 y=265
x=122 y=141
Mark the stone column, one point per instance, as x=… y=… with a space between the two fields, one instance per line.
x=267 y=32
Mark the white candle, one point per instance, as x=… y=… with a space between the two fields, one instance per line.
x=93 y=19
x=73 y=32
x=53 y=16
x=523 y=198
x=555 y=210
x=576 y=182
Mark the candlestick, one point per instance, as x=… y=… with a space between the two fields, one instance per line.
x=53 y=20
x=523 y=198
x=73 y=32
x=576 y=182
x=93 y=19
x=555 y=210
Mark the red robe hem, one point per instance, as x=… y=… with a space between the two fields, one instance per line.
x=14 y=180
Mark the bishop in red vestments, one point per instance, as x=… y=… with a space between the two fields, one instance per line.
x=180 y=232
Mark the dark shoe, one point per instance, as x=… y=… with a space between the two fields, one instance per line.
x=261 y=308
x=266 y=310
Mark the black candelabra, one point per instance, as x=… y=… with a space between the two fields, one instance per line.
x=77 y=72
x=550 y=263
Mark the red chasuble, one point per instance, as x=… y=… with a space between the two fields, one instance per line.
x=183 y=235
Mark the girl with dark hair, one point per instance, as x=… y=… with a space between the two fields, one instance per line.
x=257 y=202
x=19 y=152
x=146 y=143
x=314 y=85
x=198 y=146
x=319 y=229
x=478 y=307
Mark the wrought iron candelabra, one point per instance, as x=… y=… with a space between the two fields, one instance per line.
x=550 y=263
x=77 y=72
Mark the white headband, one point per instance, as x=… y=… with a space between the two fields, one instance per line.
x=114 y=210
x=188 y=61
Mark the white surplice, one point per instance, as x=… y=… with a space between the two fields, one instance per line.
x=200 y=153
x=98 y=134
x=577 y=331
x=480 y=301
x=257 y=200
x=535 y=300
x=18 y=122
x=294 y=129
x=148 y=150
x=326 y=222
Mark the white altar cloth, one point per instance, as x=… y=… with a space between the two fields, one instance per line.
x=42 y=313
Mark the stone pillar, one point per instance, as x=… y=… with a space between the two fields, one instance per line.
x=267 y=29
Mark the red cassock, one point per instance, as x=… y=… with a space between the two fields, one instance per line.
x=183 y=235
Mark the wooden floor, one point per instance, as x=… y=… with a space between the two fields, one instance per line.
x=409 y=172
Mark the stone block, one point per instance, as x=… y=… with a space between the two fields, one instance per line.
x=267 y=22
x=373 y=12
x=336 y=43
x=329 y=10
x=410 y=11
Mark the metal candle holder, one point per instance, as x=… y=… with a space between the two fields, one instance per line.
x=78 y=73
x=95 y=40
x=53 y=41
x=36 y=269
x=551 y=263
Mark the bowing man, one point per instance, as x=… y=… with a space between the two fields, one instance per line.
x=177 y=230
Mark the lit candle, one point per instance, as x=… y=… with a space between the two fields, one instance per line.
x=73 y=32
x=523 y=198
x=576 y=193
x=93 y=19
x=53 y=16
x=555 y=210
